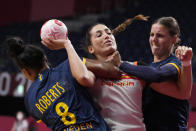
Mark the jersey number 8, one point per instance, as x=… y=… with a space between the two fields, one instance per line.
x=65 y=114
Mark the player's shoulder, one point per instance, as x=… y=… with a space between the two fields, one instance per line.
x=173 y=59
x=62 y=71
x=62 y=64
x=63 y=67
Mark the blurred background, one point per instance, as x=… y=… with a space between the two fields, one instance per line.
x=24 y=18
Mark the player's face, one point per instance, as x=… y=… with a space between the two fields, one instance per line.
x=161 y=42
x=103 y=41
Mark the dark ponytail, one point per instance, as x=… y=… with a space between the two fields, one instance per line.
x=25 y=55
x=15 y=46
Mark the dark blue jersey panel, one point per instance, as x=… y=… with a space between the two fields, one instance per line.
x=161 y=112
x=61 y=103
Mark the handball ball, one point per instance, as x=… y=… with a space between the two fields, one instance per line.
x=54 y=29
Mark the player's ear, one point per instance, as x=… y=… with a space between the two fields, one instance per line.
x=175 y=39
x=27 y=73
x=91 y=49
x=45 y=59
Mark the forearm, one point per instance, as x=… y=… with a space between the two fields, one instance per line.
x=78 y=68
x=185 y=82
x=103 y=69
x=150 y=74
x=169 y=88
x=180 y=89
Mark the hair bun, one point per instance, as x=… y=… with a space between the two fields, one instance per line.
x=15 y=46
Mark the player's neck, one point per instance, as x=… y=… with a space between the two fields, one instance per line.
x=42 y=69
x=158 y=58
x=101 y=58
x=46 y=66
x=104 y=57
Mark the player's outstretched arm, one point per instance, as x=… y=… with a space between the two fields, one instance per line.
x=151 y=74
x=147 y=73
x=78 y=68
x=185 y=82
x=103 y=69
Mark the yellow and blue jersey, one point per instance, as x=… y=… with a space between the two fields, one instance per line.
x=61 y=103
x=161 y=112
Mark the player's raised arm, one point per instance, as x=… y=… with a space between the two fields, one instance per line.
x=183 y=87
x=78 y=68
x=185 y=82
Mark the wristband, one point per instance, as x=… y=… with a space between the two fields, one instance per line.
x=186 y=63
